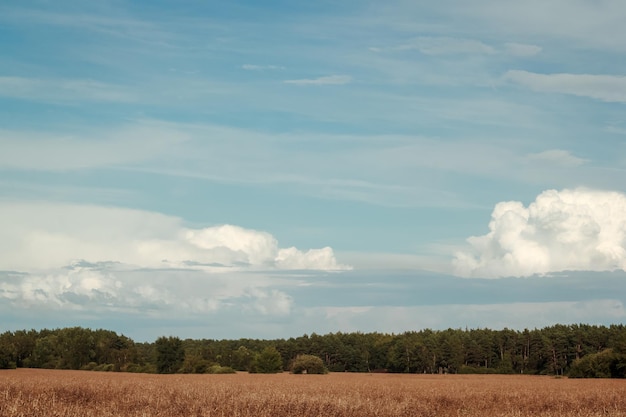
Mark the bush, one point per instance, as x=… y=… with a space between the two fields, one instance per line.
x=217 y=369
x=90 y=366
x=308 y=364
x=105 y=367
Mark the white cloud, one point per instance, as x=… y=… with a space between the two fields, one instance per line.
x=611 y=88
x=328 y=80
x=91 y=259
x=40 y=236
x=521 y=49
x=273 y=302
x=446 y=45
x=292 y=258
x=576 y=229
x=248 y=246
x=111 y=287
x=558 y=157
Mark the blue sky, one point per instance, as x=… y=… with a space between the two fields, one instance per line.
x=248 y=169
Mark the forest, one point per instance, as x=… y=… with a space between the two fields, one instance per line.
x=564 y=350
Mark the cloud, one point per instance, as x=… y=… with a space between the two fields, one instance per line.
x=582 y=24
x=64 y=90
x=558 y=157
x=495 y=316
x=610 y=88
x=521 y=49
x=45 y=235
x=328 y=80
x=446 y=45
x=578 y=229
x=108 y=287
x=90 y=259
x=253 y=67
x=292 y=258
x=41 y=151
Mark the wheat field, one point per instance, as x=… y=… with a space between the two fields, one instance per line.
x=35 y=393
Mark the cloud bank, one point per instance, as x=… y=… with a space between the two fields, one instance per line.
x=65 y=233
x=578 y=229
x=41 y=236
x=92 y=259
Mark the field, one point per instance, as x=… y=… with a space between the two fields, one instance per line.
x=35 y=393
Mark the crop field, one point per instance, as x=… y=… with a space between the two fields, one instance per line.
x=34 y=393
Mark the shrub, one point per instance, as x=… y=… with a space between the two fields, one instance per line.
x=308 y=364
x=90 y=366
x=217 y=369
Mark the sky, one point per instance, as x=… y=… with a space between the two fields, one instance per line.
x=251 y=169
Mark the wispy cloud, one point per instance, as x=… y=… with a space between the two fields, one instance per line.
x=253 y=67
x=86 y=148
x=521 y=49
x=111 y=25
x=64 y=90
x=514 y=315
x=611 y=88
x=559 y=157
x=580 y=22
x=445 y=46
x=327 y=80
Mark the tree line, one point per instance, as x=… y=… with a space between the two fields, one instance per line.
x=576 y=350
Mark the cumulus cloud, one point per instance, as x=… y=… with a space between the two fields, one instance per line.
x=578 y=229
x=328 y=80
x=38 y=236
x=112 y=287
x=67 y=257
x=292 y=258
x=611 y=88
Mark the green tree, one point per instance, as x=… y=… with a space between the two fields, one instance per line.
x=595 y=365
x=76 y=347
x=7 y=351
x=241 y=359
x=170 y=354
x=268 y=362
x=308 y=364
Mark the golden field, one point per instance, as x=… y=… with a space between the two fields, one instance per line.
x=34 y=393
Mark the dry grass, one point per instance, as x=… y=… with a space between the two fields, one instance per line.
x=35 y=393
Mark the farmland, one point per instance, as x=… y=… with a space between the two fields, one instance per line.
x=35 y=393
